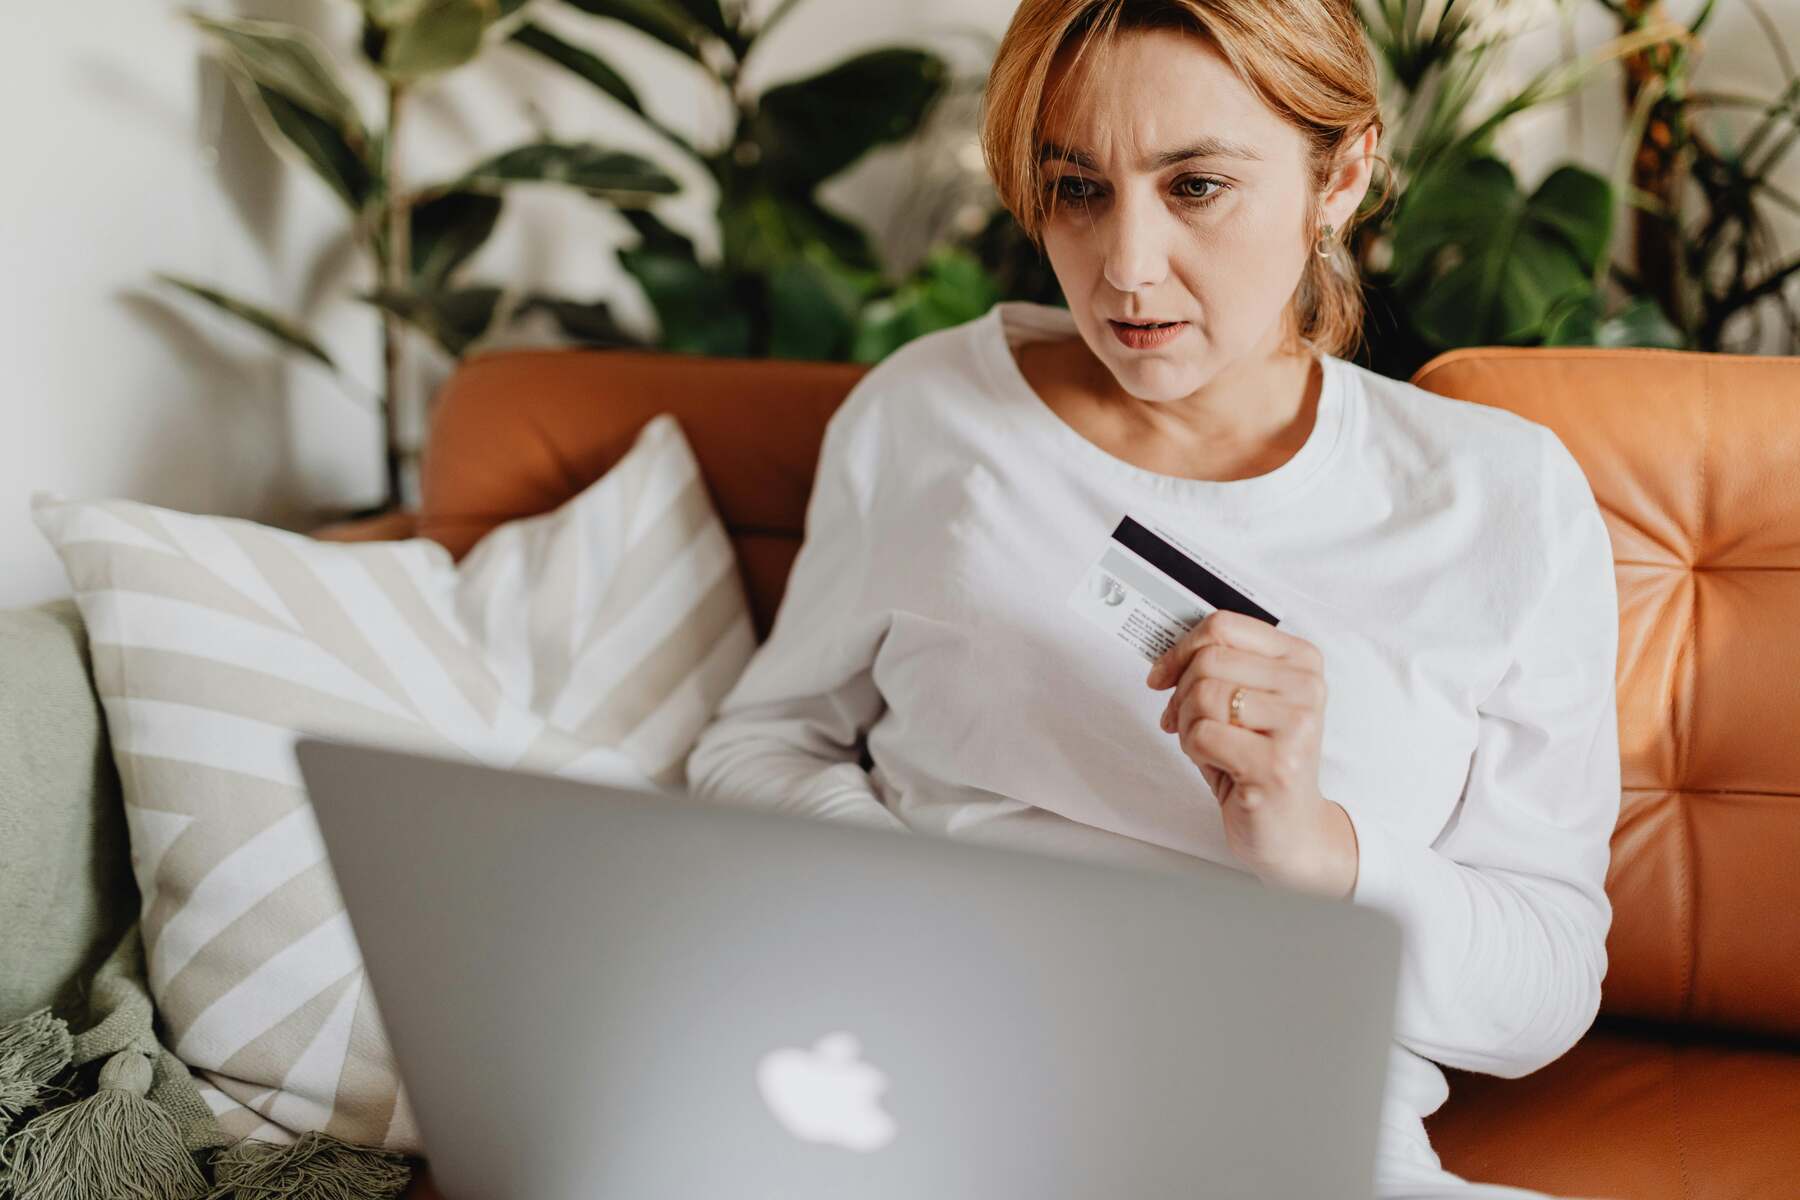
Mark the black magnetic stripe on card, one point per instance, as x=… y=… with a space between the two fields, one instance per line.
x=1185 y=571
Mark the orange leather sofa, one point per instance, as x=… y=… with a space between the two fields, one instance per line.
x=1689 y=1083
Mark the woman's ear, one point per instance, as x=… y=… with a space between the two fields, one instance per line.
x=1350 y=175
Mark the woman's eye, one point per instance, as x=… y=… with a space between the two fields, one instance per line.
x=1073 y=187
x=1062 y=186
x=1213 y=184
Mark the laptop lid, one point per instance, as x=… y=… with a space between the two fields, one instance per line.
x=594 y=992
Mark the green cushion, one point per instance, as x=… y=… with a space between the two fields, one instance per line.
x=66 y=889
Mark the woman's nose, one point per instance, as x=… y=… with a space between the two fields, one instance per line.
x=1136 y=254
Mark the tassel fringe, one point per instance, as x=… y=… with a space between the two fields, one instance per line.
x=315 y=1167
x=33 y=1051
x=114 y=1144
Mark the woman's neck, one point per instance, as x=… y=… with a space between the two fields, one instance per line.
x=1244 y=423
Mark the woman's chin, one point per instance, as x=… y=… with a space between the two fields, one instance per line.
x=1158 y=379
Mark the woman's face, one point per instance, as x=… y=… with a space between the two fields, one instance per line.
x=1180 y=197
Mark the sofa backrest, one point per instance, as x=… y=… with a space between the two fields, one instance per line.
x=1693 y=459
x=517 y=432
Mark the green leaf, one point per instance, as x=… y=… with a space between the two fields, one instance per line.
x=283 y=59
x=1504 y=294
x=394 y=13
x=950 y=287
x=763 y=227
x=321 y=146
x=696 y=306
x=709 y=16
x=442 y=35
x=811 y=129
x=587 y=65
x=389 y=13
x=445 y=231
x=624 y=178
x=1578 y=205
x=454 y=319
x=584 y=322
x=1642 y=323
x=299 y=100
x=654 y=17
x=814 y=302
x=1573 y=321
x=283 y=329
x=1481 y=263
x=1440 y=208
x=373 y=42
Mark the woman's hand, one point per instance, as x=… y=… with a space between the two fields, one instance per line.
x=1264 y=769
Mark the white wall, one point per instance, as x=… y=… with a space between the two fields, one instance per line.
x=128 y=156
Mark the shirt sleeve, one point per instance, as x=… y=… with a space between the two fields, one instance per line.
x=788 y=736
x=1505 y=916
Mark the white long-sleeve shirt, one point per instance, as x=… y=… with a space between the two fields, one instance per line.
x=1447 y=558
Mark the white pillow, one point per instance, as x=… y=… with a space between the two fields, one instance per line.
x=593 y=641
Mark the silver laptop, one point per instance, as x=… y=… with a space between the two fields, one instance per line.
x=595 y=993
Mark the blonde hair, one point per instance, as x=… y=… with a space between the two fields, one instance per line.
x=1306 y=59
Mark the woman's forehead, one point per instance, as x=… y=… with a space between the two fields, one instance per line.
x=1151 y=95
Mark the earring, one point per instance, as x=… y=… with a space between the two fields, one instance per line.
x=1324 y=245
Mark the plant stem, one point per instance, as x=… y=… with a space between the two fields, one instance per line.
x=398 y=281
x=1655 y=165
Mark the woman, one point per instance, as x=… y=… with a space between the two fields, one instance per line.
x=1429 y=728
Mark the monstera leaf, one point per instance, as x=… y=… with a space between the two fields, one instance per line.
x=811 y=129
x=1485 y=263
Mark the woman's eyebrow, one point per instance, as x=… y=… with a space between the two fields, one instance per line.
x=1206 y=147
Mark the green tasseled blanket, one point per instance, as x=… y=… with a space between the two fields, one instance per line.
x=106 y=1113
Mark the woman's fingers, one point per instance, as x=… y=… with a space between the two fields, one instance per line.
x=1238 y=631
x=1240 y=753
x=1213 y=660
x=1259 y=710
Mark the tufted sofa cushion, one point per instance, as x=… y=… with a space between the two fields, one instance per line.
x=1693 y=459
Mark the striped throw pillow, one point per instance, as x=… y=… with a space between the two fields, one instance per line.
x=593 y=641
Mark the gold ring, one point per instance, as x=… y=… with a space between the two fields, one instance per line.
x=1237 y=706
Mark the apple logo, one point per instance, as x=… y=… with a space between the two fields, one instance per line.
x=827 y=1094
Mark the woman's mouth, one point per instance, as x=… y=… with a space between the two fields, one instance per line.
x=1146 y=335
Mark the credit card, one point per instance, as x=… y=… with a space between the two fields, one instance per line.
x=1148 y=587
